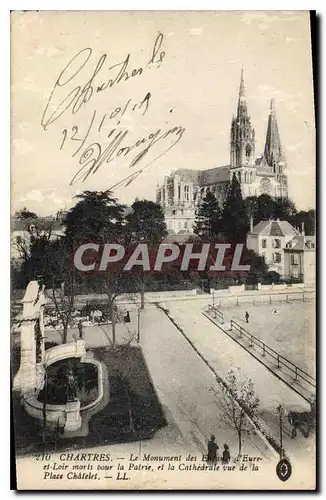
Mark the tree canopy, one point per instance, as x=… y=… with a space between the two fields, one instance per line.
x=146 y=222
x=208 y=217
x=234 y=220
x=97 y=217
x=264 y=207
x=25 y=214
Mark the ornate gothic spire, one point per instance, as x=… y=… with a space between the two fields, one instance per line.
x=242 y=103
x=242 y=143
x=273 y=148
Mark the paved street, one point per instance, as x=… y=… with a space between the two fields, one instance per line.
x=183 y=383
x=223 y=354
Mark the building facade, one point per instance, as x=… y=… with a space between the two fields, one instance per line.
x=300 y=259
x=182 y=191
x=269 y=239
x=22 y=231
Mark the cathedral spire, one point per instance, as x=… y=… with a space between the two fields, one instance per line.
x=273 y=148
x=242 y=143
x=242 y=103
x=242 y=88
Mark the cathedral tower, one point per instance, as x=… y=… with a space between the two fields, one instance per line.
x=273 y=153
x=242 y=143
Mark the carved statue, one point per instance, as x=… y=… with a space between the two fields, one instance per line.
x=71 y=386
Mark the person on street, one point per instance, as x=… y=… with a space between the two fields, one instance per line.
x=226 y=454
x=80 y=329
x=247 y=317
x=212 y=450
x=127 y=317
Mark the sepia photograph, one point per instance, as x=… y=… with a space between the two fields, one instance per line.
x=163 y=250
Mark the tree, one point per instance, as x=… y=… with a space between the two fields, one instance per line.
x=37 y=232
x=25 y=214
x=99 y=218
x=208 y=217
x=308 y=217
x=264 y=207
x=59 y=276
x=234 y=220
x=258 y=266
x=145 y=223
x=238 y=401
x=284 y=209
x=32 y=247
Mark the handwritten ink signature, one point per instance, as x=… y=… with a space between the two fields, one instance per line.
x=83 y=93
x=95 y=153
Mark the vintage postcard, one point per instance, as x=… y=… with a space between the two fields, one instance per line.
x=163 y=250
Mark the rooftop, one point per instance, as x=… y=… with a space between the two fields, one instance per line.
x=204 y=177
x=275 y=228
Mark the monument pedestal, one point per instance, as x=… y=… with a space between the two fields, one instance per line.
x=73 y=418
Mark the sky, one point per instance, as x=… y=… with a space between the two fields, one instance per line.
x=179 y=105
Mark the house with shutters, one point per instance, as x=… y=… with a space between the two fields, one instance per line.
x=269 y=238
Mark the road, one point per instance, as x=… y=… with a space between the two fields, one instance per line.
x=184 y=385
x=223 y=353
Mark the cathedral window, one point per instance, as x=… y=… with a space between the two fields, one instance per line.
x=179 y=192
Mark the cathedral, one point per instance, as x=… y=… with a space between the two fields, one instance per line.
x=184 y=188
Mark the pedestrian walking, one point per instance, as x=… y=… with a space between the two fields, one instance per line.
x=212 y=450
x=226 y=454
x=127 y=317
x=247 y=317
x=80 y=329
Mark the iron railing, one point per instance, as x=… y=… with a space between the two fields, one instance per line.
x=298 y=373
x=217 y=313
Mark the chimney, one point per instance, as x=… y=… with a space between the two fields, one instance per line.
x=251 y=224
x=302 y=229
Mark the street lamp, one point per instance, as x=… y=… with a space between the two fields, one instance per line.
x=280 y=412
x=138 y=325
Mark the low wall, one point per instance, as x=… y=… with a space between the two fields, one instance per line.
x=156 y=296
x=283 y=286
x=236 y=289
x=82 y=300
x=273 y=298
